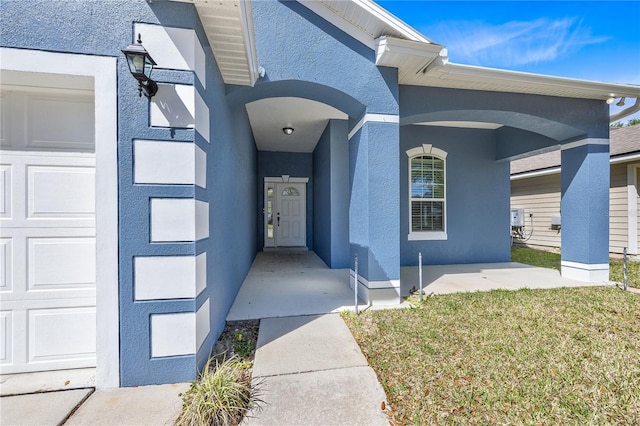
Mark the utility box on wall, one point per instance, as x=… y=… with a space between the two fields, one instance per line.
x=517 y=218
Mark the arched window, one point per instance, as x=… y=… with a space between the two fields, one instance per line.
x=290 y=192
x=427 y=193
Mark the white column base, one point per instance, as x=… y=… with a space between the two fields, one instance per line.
x=590 y=273
x=376 y=292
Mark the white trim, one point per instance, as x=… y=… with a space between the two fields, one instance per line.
x=246 y=20
x=583 y=142
x=386 y=292
x=590 y=273
x=428 y=149
x=104 y=72
x=469 y=76
x=393 y=52
x=428 y=235
x=535 y=173
x=375 y=284
x=632 y=203
x=624 y=158
x=282 y=178
x=585 y=266
x=373 y=118
x=376 y=13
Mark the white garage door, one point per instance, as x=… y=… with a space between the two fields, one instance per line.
x=47 y=215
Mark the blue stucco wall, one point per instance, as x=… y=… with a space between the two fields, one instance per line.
x=293 y=43
x=374 y=220
x=585 y=204
x=331 y=195
x=477 y=198
x=275 y=164
x=103 y=28
x=532 y=122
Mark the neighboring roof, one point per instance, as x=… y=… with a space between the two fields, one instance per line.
x=624 y=143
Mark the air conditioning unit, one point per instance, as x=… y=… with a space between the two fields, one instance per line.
x=517 y=218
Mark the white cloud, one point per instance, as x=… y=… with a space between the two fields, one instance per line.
x=513 y=43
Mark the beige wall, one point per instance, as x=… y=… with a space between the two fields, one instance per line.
x=638 y=200
x=618 y=208
x=541 y=195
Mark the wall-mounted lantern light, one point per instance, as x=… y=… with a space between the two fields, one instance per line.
x=141 y=64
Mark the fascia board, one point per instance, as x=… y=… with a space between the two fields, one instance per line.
x=590 y=89
x=392 y=51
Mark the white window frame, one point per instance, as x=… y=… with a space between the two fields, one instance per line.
x=427 y=149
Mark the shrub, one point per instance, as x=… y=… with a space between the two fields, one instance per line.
x=221 y=395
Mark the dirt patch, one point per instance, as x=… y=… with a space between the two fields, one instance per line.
x=238 y=338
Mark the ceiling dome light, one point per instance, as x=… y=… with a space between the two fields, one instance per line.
x=611 y=100
x=287 y=130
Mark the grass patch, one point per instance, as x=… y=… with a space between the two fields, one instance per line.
x=562 y=356
x=633 y=272
x=545 y=259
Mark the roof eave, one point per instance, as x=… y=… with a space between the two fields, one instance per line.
x=365 y=31
x=237 y=16
x=394 y=52
x=591 y=89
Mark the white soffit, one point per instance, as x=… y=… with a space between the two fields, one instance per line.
x=308 y=119
x=229 y=28
x=463 y=124
x=363 y=20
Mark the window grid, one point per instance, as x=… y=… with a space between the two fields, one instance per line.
x=427 y=187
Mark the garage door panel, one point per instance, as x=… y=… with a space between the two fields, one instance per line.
x=6 y=265
x=6 y=337
x=60 y=122
x=61 y=263
x=61 y=192
x=62 y=334
x=5 y=198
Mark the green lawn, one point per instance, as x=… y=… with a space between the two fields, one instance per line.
x=552 y=260
x=562 y=356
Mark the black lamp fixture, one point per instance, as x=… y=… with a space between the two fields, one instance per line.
x=287 y=130
x=140 y=65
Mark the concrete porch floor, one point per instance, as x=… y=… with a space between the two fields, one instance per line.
x=281 y=284
x=291 y=283
x=444 y=279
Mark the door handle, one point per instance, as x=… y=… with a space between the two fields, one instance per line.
x=278 y=217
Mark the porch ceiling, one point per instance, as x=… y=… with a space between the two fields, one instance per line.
x=308 y=118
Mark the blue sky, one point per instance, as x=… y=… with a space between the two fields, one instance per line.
x=590 y=40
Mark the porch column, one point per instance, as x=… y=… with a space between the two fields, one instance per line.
x=374 y=208
x=585 y=210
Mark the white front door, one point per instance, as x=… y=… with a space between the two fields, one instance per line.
x=48 y=234
x=285 y=214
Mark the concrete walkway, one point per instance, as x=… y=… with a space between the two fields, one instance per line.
x=68 y=397
x=311 y=372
